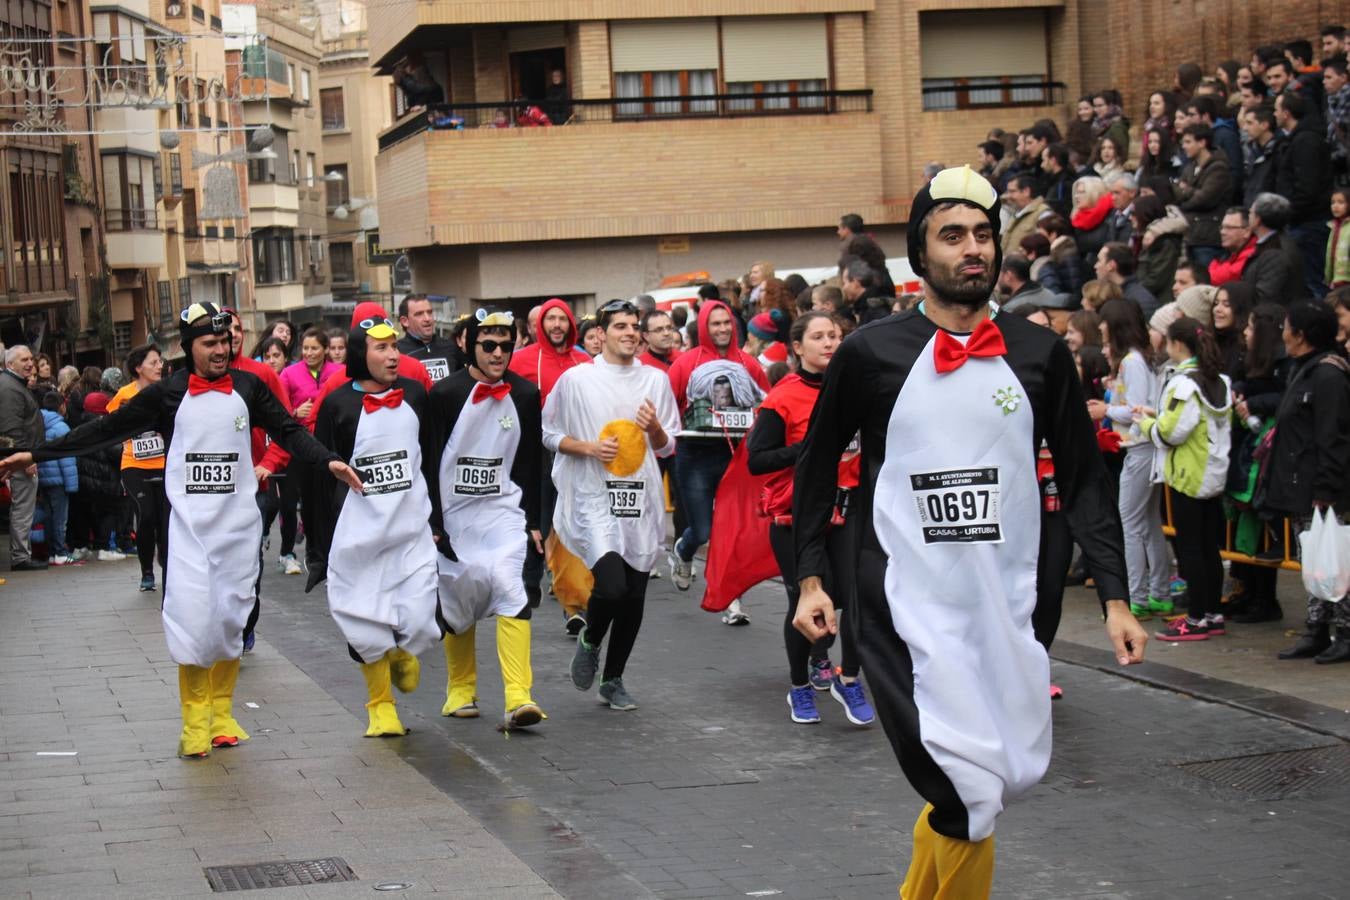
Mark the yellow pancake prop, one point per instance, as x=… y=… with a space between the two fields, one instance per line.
x=632 y=446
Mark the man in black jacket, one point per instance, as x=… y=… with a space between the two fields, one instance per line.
x=420 y=341
x=1203 y=189
x=1263 y=137
x=21 y=422
x=1057 y=188
x=1307 y=458
x=1276 y=268
x=862 y=289
x=1303 y=175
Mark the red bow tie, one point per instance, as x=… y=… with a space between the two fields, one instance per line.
x=389 y=400
x=198 y=385
x=949 y=354
x=495 y=391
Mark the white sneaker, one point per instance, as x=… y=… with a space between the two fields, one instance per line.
x=735 y=615
x=681 y=572
x=289 y=565
x=60 y=560
x=79 y=553
x=111 y=555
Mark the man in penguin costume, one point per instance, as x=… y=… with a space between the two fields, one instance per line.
x=484 y=459
x=948 y=514
x=205 y=413
x=381 y=557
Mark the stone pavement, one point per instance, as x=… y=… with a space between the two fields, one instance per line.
x=93 y=802
x=708 y=790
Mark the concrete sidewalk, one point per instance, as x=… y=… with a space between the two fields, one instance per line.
x=85 y=675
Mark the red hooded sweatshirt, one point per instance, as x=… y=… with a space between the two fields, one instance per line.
x=683 y=367
x=267 y=454
x=539 y=362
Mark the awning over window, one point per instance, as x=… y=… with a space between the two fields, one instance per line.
x=775 y=48
x=983 y=43
x=663 y=45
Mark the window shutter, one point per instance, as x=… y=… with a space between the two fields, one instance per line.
x=775 y=48
x=979 y=44
x=536 y=37
x=663 y=45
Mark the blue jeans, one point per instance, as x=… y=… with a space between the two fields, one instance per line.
x=55 y=509
x=1311 y=238
x=1204 y=255
x=699 y=465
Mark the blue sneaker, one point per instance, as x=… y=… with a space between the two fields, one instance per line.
x=821 y=674
x=802 y=703
x=854 y=700
x=147 y=583
x=1176 y=587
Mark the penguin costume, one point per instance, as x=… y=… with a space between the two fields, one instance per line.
x=948 y=515
x=205 y=416
x=381 y=557
x=484 y=459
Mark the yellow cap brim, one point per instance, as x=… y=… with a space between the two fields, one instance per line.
x=380 y=332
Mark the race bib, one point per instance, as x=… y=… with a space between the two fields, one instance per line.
x=384 y=473
x=437 y=368
x=733 y=418
x=210 y=473
x=958 y=506
x=147 y=446
x=625 y=498
x=477 y=476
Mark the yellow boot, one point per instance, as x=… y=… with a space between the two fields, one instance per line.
x=461 y=683
x=194 y=694
x=383 y=715
x=406 y=669
x=513 y=653
x=225 y=731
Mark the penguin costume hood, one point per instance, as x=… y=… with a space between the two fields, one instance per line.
x=200 y=320
x=487 y=317
x=961 y=184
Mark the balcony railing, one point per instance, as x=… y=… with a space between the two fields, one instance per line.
x=946 y=94
x=130 y=219
x=448 y=116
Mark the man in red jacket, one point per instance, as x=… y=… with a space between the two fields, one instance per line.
x=542 y=363
x=1235 y=234
x=716 y=406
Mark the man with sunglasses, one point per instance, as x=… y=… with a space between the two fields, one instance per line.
x=608 y=422
x=482 y=461
x=204 y=413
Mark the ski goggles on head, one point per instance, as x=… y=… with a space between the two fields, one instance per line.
x=619 y=306
x=380 y=329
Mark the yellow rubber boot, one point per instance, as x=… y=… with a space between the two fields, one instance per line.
x=405 y=668
x=383 y=714
x=225 y=731
x=194 y=695
x=945 y=868
x=513 y=653
x=461 y=684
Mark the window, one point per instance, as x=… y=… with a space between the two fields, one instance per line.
x=164 y=296
x=184 y=293
x=121 y=339
x=339 y=192
x=666 y=84
x=775 y=55
x=36 y=221
x=330 y=103
x=343 y=262
x=291 y=80
x=263 y=171
x=311 y=169
x=175 y=174
x=199 y=14
x=969 y=59
x=204 y=119
x=304 y=85
x=184 y=98
x=129 y=183
x=295 y=167
x=274 y=255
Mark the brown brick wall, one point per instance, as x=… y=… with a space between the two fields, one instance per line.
x=628 y=179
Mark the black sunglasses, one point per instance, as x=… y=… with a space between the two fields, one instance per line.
x=491 y=347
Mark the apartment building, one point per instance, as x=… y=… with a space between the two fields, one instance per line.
x=49 y=267
x=694 y=136
x=355 y=106
x=277 y=66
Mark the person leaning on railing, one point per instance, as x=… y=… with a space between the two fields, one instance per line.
x=1306 y=466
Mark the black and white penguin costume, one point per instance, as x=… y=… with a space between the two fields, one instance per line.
x=214 y=523
x=484 y=462
x=948 y=514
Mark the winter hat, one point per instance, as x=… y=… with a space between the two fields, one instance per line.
x=377 y=325
x=1164 y=317
x=368 y=310
x=200 y=320
x=1197 y=301
x=96 y=403
x=112 y=380
x=763 y=327
x=961 y=184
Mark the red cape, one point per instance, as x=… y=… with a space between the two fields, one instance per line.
x=739 y=555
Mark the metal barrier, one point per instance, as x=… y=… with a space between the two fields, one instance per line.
x=1228 y=552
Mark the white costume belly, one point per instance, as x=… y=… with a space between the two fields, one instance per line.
x=382 y=563
x=957 y=513
x=480 y=507
x=214 y=530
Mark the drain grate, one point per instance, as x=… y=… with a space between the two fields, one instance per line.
x=1274 y=776
x=282 y=873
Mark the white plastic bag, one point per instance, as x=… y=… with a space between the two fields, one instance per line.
x=1326 y=556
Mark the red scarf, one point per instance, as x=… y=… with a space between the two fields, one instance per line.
x=1088 y=219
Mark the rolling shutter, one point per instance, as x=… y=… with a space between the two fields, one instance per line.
x=775 y=48
x=536 y=37
x=982 y=44
x=663 y=45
